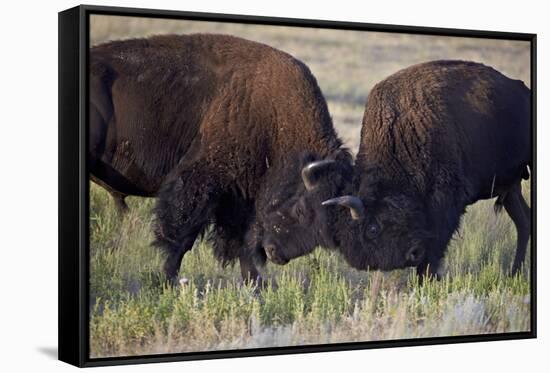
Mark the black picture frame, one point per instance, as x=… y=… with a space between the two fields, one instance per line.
x=74 y=190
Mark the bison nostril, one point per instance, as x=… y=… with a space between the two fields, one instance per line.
x=414 y=255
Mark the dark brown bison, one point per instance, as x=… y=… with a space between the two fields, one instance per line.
x=436 y=137
x=198 y=120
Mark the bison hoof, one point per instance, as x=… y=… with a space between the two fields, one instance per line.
x=264 y=284
x=259 y=283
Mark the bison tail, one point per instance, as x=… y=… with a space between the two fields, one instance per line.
x=499 y=203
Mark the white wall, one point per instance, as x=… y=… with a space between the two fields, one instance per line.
x=28 y=184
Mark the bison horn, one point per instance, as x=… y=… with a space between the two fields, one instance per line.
x=354 y=204
x=307 y=172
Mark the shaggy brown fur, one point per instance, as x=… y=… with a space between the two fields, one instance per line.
x=436 y=137
x=440 y=136
x=205 y=116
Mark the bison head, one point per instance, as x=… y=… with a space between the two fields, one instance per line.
x=390 y=232
x=378 y=230
x=293 y=220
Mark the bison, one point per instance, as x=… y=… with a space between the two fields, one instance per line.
x=436 y=137
x=198 y=121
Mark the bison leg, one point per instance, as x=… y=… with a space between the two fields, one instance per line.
x=445 y=225
x=516 y=207
x=227 y=248
x=232 y=224
x=428 y=268
x=120 y=204
x=175 y=256
x=118 y=197
x=185 y=206
x=248 y=269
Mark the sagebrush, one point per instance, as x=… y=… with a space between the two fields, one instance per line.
x=314 y=299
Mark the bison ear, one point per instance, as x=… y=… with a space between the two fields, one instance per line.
x=354 y=204
x=309 y=171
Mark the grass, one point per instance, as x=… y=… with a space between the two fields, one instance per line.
x=318 y=298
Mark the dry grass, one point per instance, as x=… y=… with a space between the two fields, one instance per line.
x=319 y=298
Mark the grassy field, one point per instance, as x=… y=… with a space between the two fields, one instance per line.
x=319 y=299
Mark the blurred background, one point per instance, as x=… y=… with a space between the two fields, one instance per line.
x=347 y=64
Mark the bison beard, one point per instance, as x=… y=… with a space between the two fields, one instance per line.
x=199 y=121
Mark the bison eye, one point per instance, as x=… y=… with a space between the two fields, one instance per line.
x=372 y=230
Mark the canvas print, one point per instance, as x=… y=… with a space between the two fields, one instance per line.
x=256 y=186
